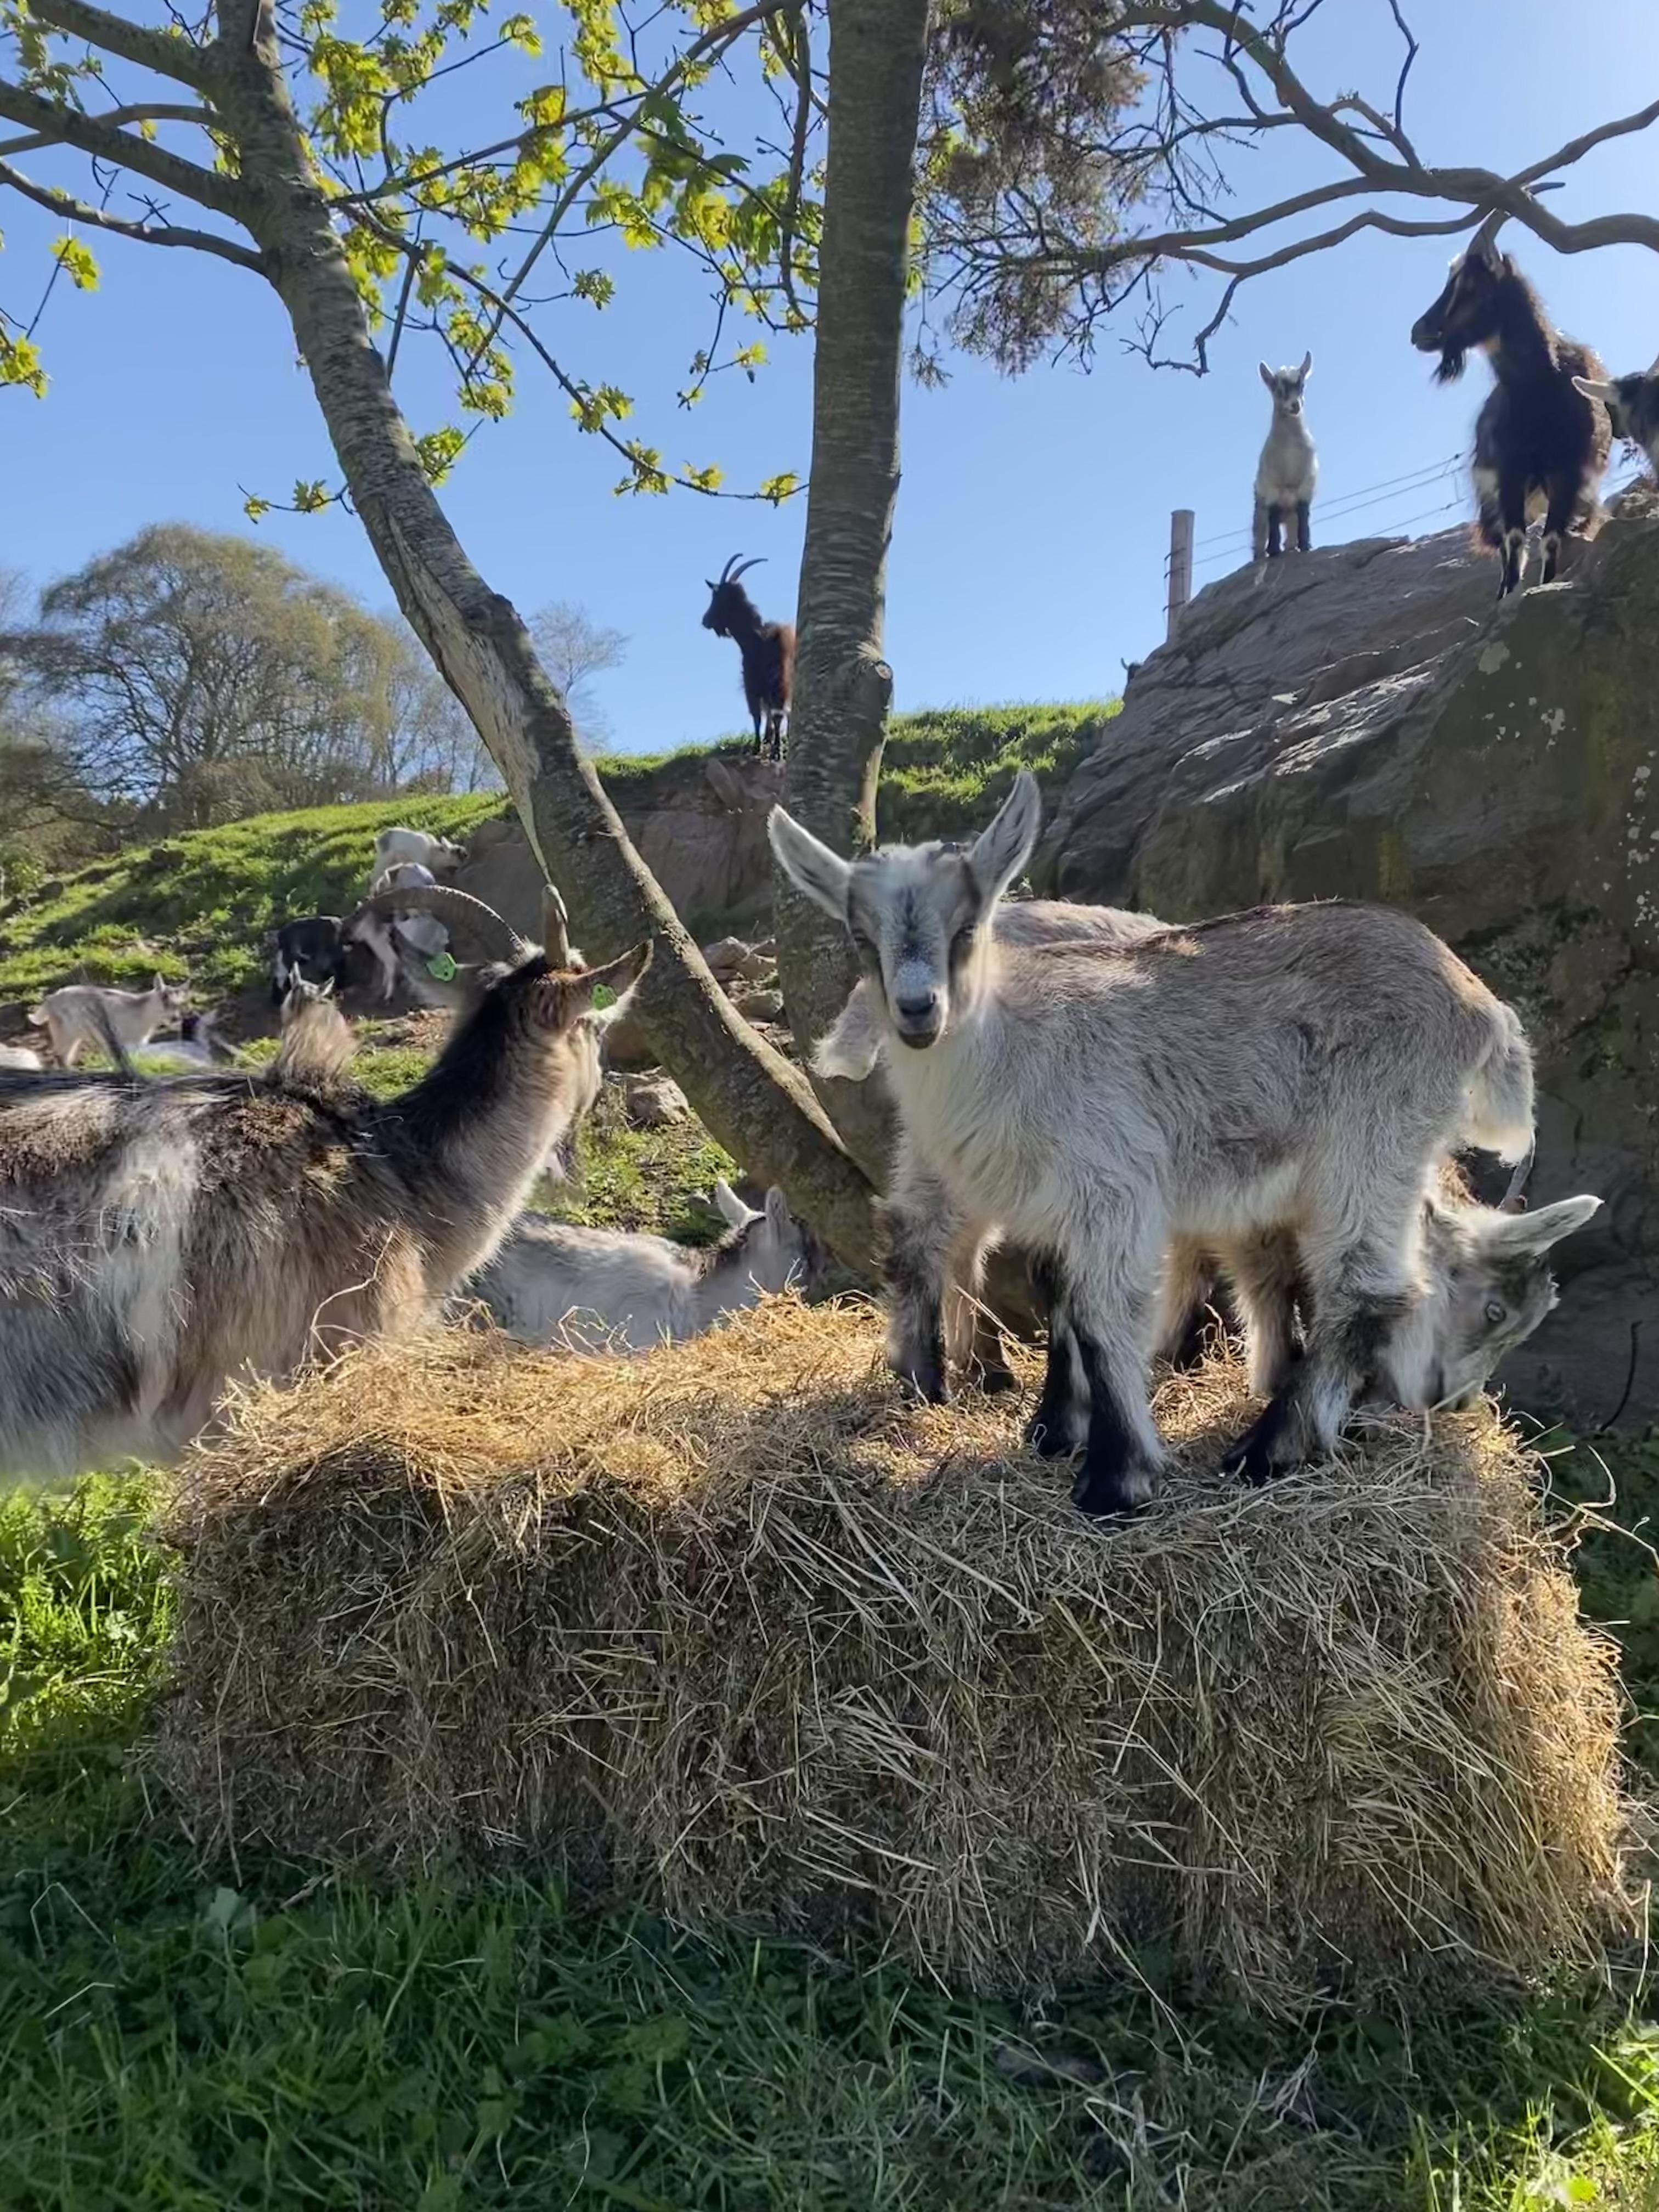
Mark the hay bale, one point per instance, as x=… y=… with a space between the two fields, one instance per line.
x=733 y=1631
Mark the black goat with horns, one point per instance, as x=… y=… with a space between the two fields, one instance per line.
x=768 y=650
x=1541 y=440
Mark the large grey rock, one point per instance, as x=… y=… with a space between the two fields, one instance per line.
x=699 y=821
x=1367 y=722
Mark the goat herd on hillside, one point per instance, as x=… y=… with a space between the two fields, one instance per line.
x=1270 y=1103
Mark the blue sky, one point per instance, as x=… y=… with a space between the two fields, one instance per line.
x=1034 y=514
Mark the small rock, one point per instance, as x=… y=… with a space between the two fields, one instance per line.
x=766 y=948
x=760 y=1006
x=730 y=960
x=654 y=1102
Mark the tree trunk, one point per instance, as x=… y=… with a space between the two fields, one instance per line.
x=752 y=1101
x=842 y=684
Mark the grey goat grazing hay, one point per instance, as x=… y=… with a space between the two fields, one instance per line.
x=732 y=1631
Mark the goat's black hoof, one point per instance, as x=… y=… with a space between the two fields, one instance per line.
x=1258 y=1458
x=928 y=1383
x=1046 y=1433
x=1111 y=1490
x=995 y=1382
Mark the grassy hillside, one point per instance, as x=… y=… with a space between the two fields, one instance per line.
x=199 y=905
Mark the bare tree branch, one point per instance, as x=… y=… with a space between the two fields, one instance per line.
x=147 y=111
x=74 y=211
x=55 y=124
x=171 y=57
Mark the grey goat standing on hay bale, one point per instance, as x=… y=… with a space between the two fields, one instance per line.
x=1288 y=471
x=1542 y=436
x=603 y=1289
x=159 y=1239
x=1486 y=1284
x=1096 y=1107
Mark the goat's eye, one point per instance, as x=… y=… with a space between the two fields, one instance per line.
x=1496 y=1312
x=960 y=941
x=862 y=945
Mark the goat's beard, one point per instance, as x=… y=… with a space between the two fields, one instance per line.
x=1450 y=365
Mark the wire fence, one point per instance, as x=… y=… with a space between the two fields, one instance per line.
x=1230 y=549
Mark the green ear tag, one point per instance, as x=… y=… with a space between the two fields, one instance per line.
x=440 y=968
x=603 y=996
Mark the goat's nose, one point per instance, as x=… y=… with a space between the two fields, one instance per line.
x=919 y=1008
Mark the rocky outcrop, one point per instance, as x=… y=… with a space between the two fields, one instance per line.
x=699 y=822
x=1367 y=722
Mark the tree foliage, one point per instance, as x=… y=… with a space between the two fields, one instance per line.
x=573 y=649
x=188 y=678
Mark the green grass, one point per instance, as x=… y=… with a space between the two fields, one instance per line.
x=203 y=2040
x=198 y=907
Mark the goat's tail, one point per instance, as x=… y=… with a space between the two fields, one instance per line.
x=1500 y=1102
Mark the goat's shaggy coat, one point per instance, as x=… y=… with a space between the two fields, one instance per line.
x=1540 y=442
x=1294 y=1065
x=768 y=649
x=158 y=1240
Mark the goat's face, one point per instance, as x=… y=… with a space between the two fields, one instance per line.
x=1489 y=1286
x=771 y=1249
x=172 y=996
x=917 y=914
x=728 y=604
x=1633 y=404
x=1466 y=314
x=1286 y=386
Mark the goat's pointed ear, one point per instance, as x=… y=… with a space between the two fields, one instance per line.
x=1306 y=369
x=1265 y=373
x=576 y=992
x=998 y=854
x=1593 y=388
x=777 y=1211
x=810 y=864
x=730 y=1206
x=1530 y=1236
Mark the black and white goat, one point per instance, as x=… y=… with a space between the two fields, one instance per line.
x=768 y=650
x=158 y=1238
x=1098 y=1106
x=1632 y=402
x=309 y=949
x=1288 y=471
x=1542 y=441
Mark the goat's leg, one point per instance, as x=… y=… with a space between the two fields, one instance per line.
x=1564 y=494
x=1266 y=1272
x=67 y=1045
x=1305 y=526
x=924 y=1231
x=973 y=1341
x=1360 y=1296
x=1275 y=513
x=1060 y=1425
x=1258 y=531
x=1185 y=1289
x=1512 y=506
x=1110 y=1300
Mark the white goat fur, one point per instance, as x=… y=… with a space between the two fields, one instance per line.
x=1300 y=1065
x=71 y=1016
x=392 y=845
x=1486 y=1282
x=1288 y=471
x=595 y=1290
x=423 y=933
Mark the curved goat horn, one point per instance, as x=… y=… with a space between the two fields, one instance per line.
x=556 y=927
x=459 y=907
x=726 y=573
x=1485 y=237
x=753 y=562
x=1513 y=1201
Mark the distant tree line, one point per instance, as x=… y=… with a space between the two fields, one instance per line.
x=188 y=678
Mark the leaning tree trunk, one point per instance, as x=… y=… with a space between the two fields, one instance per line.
x=749 y=1097
x=842 y=684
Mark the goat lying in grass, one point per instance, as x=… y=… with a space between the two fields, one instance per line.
x=160 y=1238
x=1308 y=1064
x=600 y=1289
